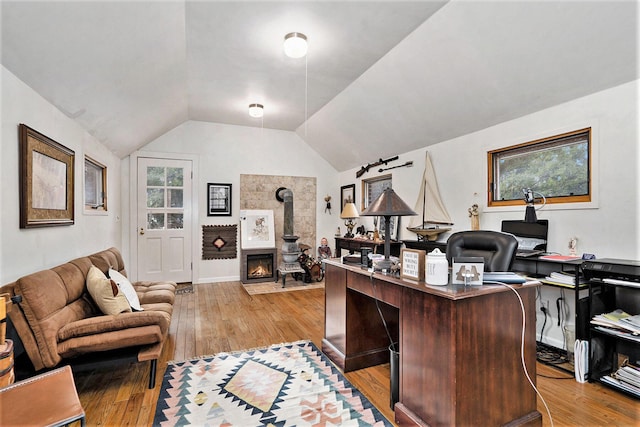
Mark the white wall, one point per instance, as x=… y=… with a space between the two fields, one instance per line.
x=609 y=229
x=224 y=153
x=24 y=251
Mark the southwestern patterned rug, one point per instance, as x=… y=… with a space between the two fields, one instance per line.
x=290 y=384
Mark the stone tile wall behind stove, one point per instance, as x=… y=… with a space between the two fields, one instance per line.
x=259 y=192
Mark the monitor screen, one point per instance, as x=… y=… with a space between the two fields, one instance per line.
x=530 y=235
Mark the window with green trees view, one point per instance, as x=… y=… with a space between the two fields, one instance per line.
x=558 y=167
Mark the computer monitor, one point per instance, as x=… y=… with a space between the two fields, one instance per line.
x=530 y=235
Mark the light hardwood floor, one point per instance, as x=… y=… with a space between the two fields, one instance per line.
x=223 y=317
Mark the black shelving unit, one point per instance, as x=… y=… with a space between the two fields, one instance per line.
x=613 y=284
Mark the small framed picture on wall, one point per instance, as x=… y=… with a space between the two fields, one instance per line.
x=347 y=194
x=218 y=199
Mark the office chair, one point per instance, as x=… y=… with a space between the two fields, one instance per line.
x=498 y=249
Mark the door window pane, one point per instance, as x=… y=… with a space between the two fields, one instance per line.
x=155 y=221
x=175 y=177
x=155 y=197
x=175 y=198
x=155 y=175
x=174 y=221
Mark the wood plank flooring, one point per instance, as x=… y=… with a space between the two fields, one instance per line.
x=223 y=317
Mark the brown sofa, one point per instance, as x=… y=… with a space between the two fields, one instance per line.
x=58 y=322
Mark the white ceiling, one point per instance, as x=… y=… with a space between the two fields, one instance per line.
x=383 y=77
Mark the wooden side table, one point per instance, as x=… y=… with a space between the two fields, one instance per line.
x=357 y=244
x=48 y=399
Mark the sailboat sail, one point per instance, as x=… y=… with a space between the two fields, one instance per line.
x=429 y=206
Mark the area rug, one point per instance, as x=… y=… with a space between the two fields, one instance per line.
x=291 y=384
x=273 y=287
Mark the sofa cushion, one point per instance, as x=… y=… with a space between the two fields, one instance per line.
x=150 y=335
x=102 y=324
x=106 y=293
x=127 y=288
x=50 y=299
x=155 y=292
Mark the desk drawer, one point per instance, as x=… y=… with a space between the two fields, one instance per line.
x=387 y=292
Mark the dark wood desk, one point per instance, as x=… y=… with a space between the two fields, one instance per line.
x=356 y=244
x=536 y=267
x=459 y=347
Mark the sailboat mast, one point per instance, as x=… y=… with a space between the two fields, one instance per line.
x=424 y=200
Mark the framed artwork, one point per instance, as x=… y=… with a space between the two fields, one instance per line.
x=257 y=229
x=347 y=194
x=412 y=261
x=46 y=181
x=218 y=199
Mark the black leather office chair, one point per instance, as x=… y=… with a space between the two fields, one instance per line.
x=498 y=249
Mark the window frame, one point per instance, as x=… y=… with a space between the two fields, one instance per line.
x=100 y=208
x=365 y=188
x=540 y=144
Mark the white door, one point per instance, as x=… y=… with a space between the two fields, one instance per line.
x=164 y=219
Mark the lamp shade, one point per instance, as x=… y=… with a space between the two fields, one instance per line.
x=256 y=110
x=388 y=203
x=295 y=45
x=349 y=211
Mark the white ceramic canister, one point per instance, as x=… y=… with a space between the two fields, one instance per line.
x=437 y=268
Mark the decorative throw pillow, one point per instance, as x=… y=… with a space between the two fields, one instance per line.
x=106 y=293
x=127 y=288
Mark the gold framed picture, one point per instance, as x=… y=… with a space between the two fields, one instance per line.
x=412 y=264
x=46 y=181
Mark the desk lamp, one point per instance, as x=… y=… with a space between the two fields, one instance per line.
x=530 y=212
x=349 y=214
x=388 y=204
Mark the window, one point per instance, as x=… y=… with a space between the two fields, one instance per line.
x=95 y=185
x=373 y=188
x=165 y=198
x=559 y=168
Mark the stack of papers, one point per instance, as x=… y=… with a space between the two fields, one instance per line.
x=563 y=279
x=627 y=378
x=618 y=322
x=559 y=257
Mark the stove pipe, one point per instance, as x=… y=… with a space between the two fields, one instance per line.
x=290 y=250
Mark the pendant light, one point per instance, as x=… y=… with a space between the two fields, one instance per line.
x=295 y=45
x=256 y=110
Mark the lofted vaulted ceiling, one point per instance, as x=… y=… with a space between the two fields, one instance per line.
x=381 y=78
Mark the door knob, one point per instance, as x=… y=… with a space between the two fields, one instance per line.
x=141 y=230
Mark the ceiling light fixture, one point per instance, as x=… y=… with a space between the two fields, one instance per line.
x=256 y=110
x=295 y=45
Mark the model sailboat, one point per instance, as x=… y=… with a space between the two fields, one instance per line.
x=431 y=211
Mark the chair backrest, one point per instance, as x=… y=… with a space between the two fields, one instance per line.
x=498 y=249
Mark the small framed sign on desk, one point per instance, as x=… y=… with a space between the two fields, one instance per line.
x=412 y=264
